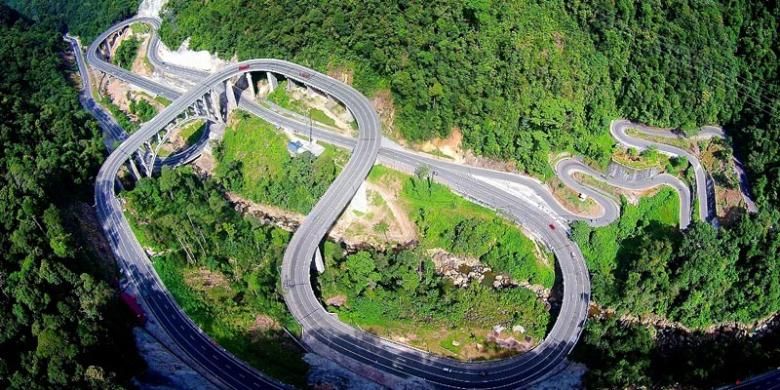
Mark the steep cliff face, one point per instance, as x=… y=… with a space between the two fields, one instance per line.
x=151 y=7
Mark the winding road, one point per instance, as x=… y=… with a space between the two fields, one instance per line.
x=323 y=332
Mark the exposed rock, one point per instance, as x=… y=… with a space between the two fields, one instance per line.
x=569 y=377
x=165 y=370
x=518 y=329
x=462 y=270
x=509 y=342
x=338 y=300
x=326 y=375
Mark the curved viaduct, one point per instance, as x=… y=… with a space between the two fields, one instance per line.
x=324 y=333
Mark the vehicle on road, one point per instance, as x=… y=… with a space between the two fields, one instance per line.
x=132 y=304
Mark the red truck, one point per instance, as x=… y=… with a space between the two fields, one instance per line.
x=242 y=68
x=134 y=307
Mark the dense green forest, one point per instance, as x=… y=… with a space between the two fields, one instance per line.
x=621 y=355
x=61 y=324
x=84 y=18
x=516 y=95
x=700 y=277
x=527 y=78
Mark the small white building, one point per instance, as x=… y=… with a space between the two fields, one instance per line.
x=296 y=146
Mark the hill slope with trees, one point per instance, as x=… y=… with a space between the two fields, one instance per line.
x=61 y=324
x=84 y=18
x=520 y=80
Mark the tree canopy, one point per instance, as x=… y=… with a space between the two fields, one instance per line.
x=61 y=325
x=84 y=18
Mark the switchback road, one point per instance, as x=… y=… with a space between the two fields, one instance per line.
x=323 y=331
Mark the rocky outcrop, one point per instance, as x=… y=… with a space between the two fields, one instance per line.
x=463 y=270
x=630 y=175
x=165 y=370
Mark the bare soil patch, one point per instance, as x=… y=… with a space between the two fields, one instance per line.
x=384 y=208
x=384 y=106
x=202 y=279
x=141 y=65
x=449 y=147
x=341 y=73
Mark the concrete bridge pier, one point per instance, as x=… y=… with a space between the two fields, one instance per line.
x=251 y=83
x=215 y=97
x=230 y=91
x=319 y=264
x=134 y=168
x=272 y=81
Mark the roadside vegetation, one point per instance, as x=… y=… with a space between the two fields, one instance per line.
x=142 y=109
x=623 y=258
x=187 y=135
x=222 y=268
x=192 y=132
x=253 y=161
x=122 y=119
x=646 y=159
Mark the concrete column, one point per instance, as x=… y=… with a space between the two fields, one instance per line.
x=133 y=168
x=319 y=264
x=251 y=83
x=272 y=80
x=231 y=96
x=199 y=107
x=290 y=84
x=215 y=103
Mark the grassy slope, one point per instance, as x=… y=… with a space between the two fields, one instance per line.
x=281 y=98
x=259 y=146
x=266 y=165
x=448 y=209
x=192 y=132
x=230 y=324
